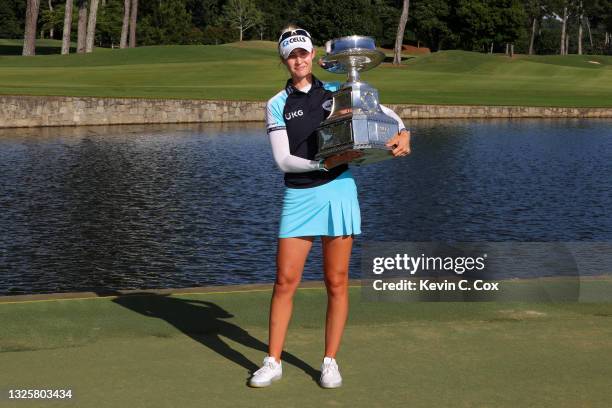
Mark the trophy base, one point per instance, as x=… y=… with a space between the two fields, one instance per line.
x=366 y=133
x=372 y=153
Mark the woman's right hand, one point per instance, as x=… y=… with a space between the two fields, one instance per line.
x=341 y=158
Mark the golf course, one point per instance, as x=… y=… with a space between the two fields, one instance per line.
x=194 y=213
x=197 y=349
x=251 y=71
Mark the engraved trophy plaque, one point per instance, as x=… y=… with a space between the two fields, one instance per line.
x=356 y=121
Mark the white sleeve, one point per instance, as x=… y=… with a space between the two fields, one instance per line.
x=390 y=112
x=283 y=158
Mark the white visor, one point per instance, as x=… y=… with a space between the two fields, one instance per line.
x=295 y=41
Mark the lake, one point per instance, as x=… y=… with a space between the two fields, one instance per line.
x=128 y=207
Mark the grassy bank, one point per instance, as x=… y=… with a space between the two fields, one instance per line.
x=251 y=71
x=197 y=349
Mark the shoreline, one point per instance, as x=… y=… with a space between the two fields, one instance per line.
x=20 y=111
x=220 y=289
x=106 y=294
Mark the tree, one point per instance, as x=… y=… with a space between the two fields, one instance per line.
x=133 y=21
x=108 y=23
x=590 y=8
x=67 y=28
x=126 y=24
x=52 y=25
x=261 y=28
x=29 y=38
x=327 y=19
x=10 y=25
x=563 y=46
x=82 y=26
x=563 y=10
x=475 y=22
x=533 y=26
x=167 y=23
x=399 y=38
x=533 y=32
x=535 y=10
x=380 y=18
x=580 y=20
x=431 y=22
x=205 y=12
x=241 y=14
x=598 y=17
x=91 y=26
x=510 y=16
x=49 y=19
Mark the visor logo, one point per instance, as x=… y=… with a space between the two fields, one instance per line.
x=292 y=40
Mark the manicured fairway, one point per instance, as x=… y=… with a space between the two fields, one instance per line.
x=195 y=350
x=252 y=71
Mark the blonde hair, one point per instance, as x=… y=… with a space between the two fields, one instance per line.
x=288 y=27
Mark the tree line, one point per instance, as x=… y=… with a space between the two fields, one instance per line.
x=525 y=26
x=82 y=12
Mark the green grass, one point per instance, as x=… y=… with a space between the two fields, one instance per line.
x=196 y=350
x=251 y=71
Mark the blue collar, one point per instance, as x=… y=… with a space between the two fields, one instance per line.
x=289 y=88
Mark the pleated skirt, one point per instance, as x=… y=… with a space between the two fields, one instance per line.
x=331 y=209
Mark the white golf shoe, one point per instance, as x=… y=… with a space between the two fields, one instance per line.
x=270 y=371
x=330 y=375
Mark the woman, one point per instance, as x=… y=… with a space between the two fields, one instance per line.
x=320 y=200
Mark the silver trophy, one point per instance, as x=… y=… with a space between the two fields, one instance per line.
x=356 y=121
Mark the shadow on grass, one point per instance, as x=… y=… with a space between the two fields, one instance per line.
x=204 y=322
x=43 y=50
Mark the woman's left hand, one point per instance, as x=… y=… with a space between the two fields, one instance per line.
x=400 y=144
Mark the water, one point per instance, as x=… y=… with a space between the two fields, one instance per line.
x=127 y=207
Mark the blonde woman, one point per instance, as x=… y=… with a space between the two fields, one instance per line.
x=320 y=201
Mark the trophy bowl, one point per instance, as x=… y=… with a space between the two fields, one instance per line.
x=348 y=53
x=356 y=121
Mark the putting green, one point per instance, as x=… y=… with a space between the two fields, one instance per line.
x=195 y=350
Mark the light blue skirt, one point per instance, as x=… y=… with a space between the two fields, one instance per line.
x=331 y=209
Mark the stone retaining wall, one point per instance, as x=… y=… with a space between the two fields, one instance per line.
x=34 y=111
x=487 y=112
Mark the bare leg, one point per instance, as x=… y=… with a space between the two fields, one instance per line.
x=290 y=259
x=336 y=257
